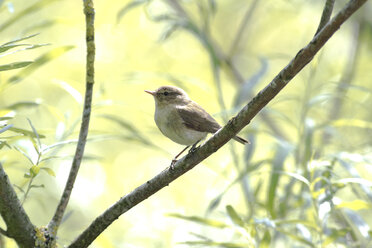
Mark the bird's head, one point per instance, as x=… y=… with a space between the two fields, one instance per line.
x=169 y=95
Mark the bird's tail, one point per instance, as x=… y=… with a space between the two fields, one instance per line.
x=241 y=140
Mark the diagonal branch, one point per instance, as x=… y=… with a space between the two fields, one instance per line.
x=18 y=223
x=303 y=57
x=89 y=19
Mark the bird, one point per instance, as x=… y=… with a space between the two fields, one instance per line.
x=181 y=119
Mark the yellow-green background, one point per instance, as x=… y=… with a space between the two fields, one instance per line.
x=131 y=58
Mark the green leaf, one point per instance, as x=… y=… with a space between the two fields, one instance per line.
x=49 y=171
x=204 y=221
x=15 y=65
x=28 y=47
x=34 y=170
x=7 y=47
x=19 y=105
x=46 y=57
x=25 y=132
x=355 y=205
x=37 y=186
x=234 y=216
x=352 y=123
x=5 y=118
x=20 y=39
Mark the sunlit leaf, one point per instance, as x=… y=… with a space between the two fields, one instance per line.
x=234 y=216
x=34 y=170
x=23 y=104
x=46 y=57
x=295 y=176
x=355 y=205
x=5 y=118
x=15 y=65
x=37 y=186
x=352 y=123
x=204 y=221
x=49 y=171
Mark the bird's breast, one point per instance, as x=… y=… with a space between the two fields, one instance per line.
x=172 y=126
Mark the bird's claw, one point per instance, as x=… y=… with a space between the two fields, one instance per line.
x=173 y=163
x=193 y=149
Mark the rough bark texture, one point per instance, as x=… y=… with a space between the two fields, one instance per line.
x=18 y=223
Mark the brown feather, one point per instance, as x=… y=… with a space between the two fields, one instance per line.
x=196 y=118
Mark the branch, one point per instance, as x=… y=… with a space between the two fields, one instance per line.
x=89 y=19
x=326 y=15
x=18 y=223
x=303 y=57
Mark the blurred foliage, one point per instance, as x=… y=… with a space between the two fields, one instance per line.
x=306 y=178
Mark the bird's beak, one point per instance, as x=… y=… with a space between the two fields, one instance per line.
x=150 y=92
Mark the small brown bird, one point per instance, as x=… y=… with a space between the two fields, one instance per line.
x=181 y=119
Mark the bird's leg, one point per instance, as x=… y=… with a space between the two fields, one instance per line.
x=193 y=148
x=174 y=160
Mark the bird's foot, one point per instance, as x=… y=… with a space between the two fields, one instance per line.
x=193 y=149
x=173 y=163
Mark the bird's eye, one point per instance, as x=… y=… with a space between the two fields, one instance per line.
x=166 y=93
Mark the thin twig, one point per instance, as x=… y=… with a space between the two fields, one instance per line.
x=303 y=57
x=326 y=15
x=89 y=19
x=19 y=226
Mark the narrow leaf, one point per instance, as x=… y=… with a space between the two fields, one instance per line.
x=15 y=65
x=234 y=216
x=49 y=171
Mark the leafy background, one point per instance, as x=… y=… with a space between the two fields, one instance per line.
x=305 y=180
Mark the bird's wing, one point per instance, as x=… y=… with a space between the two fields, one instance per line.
x=196 y=118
